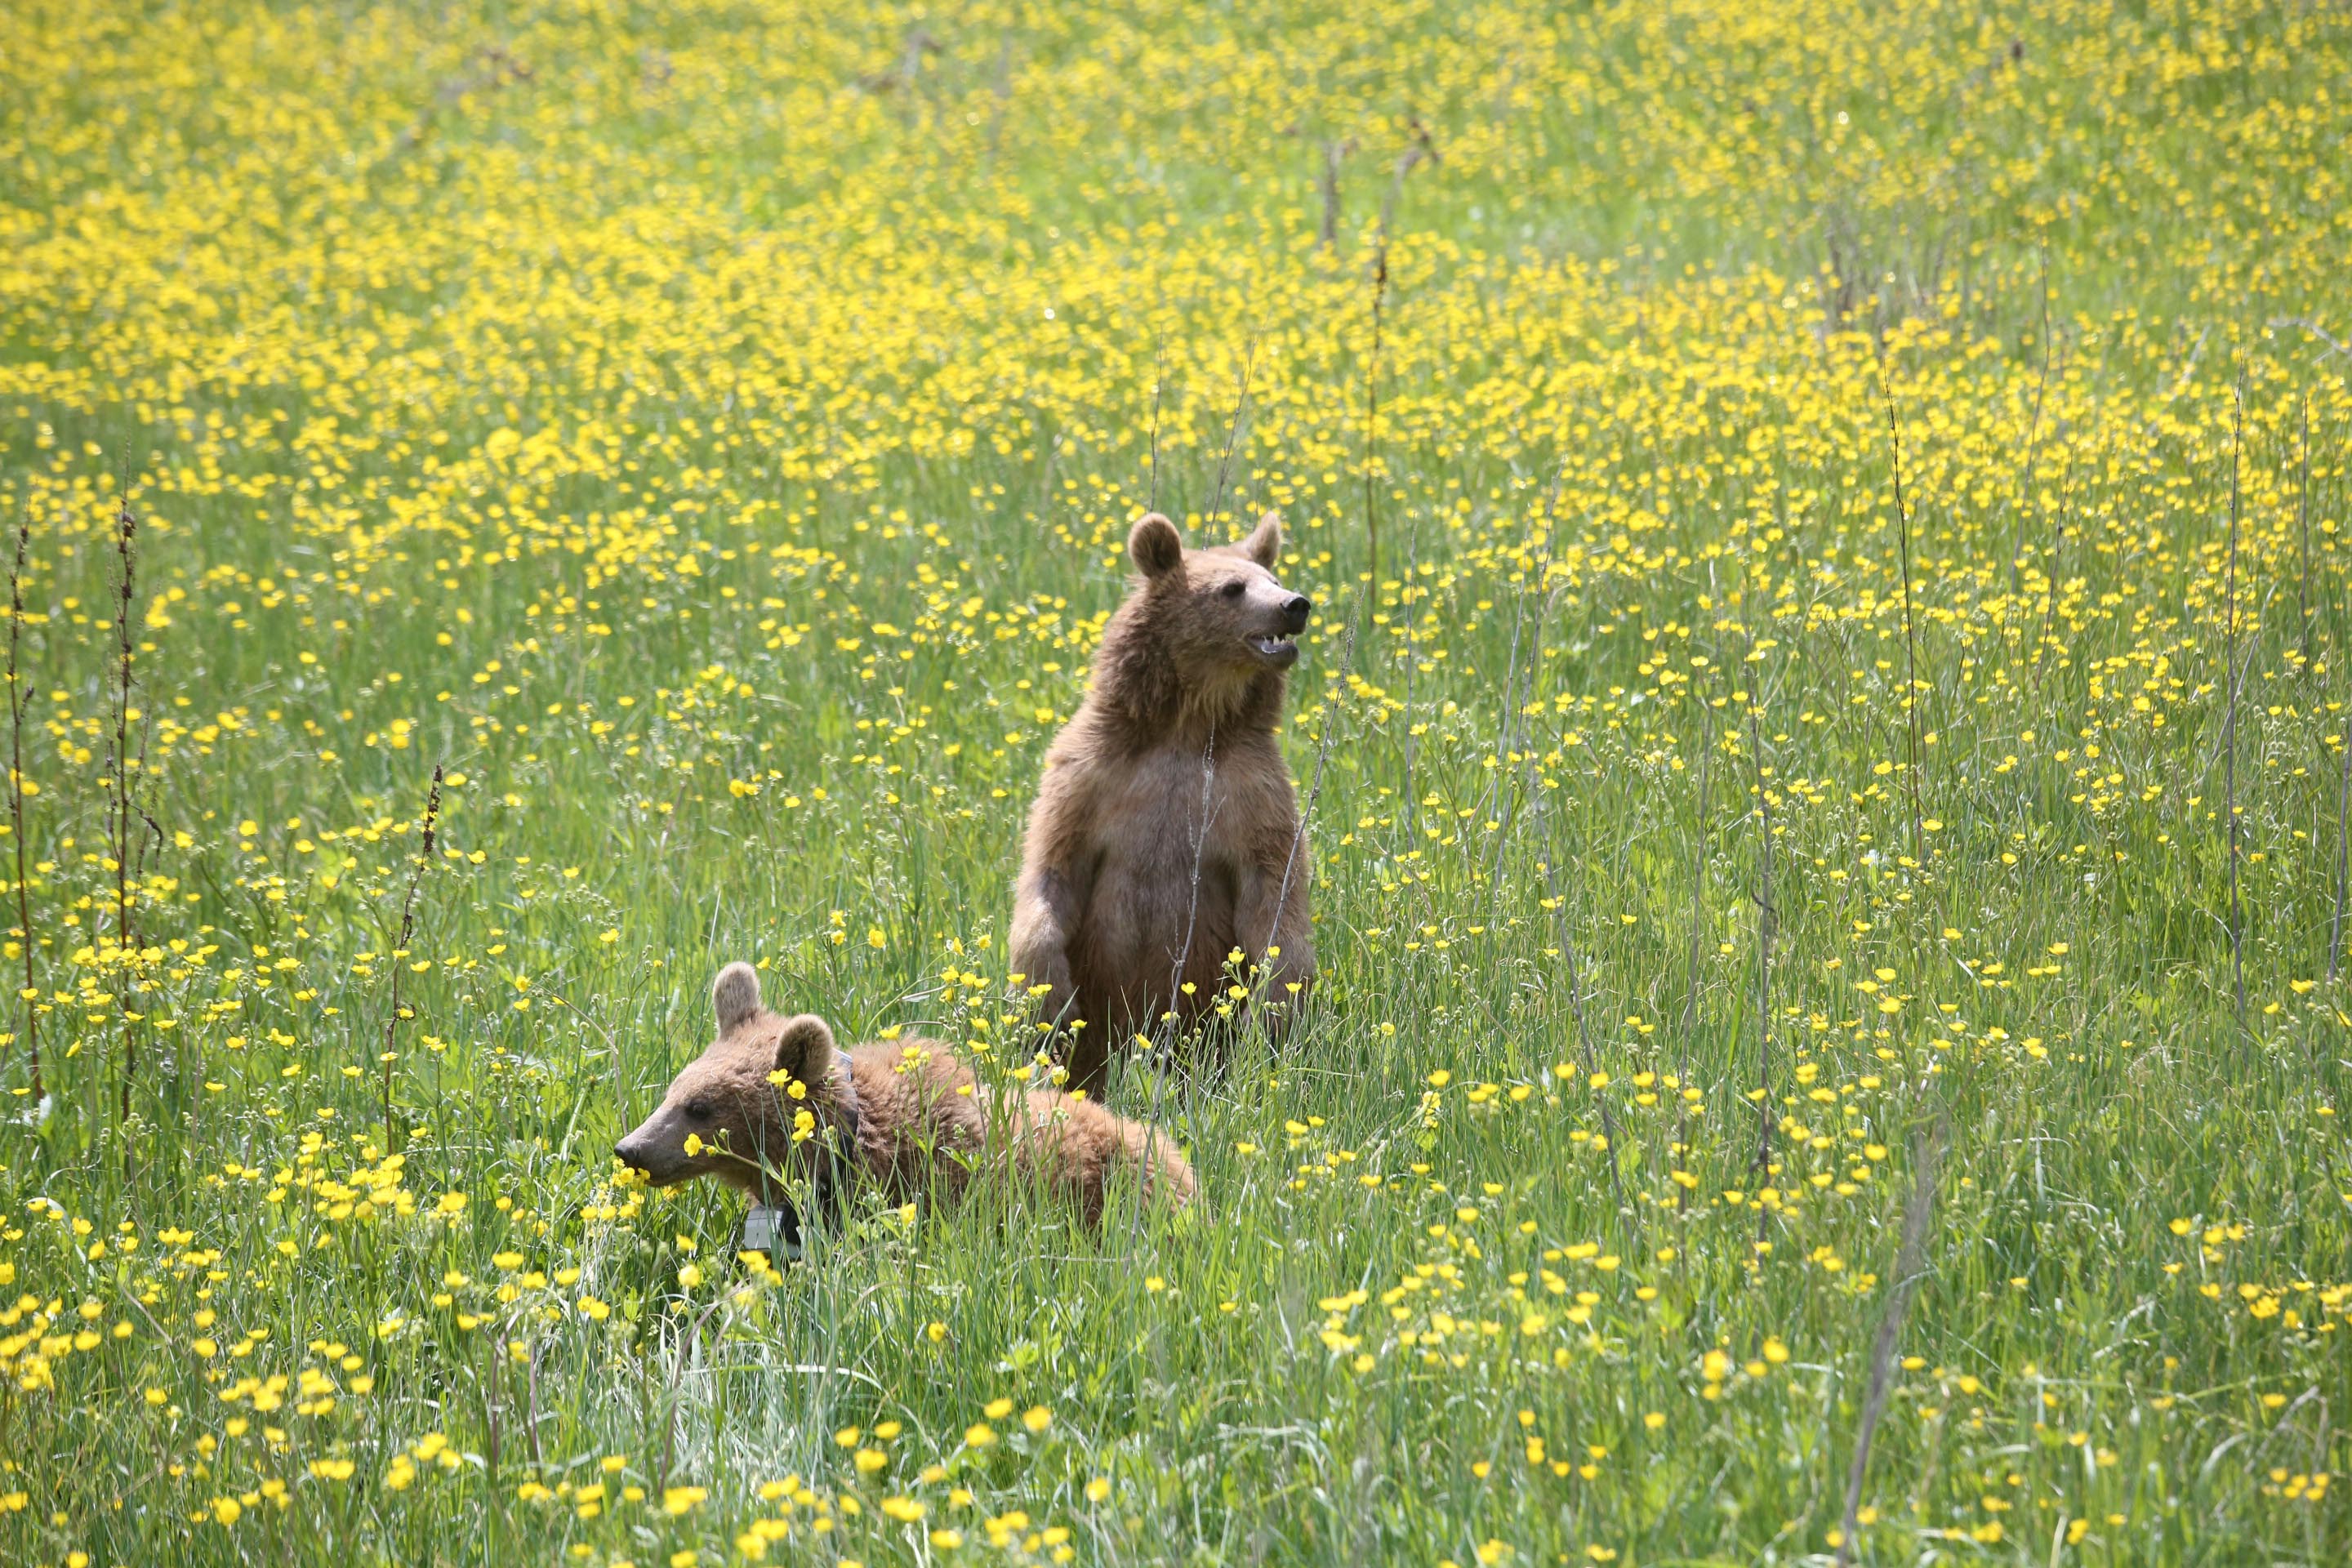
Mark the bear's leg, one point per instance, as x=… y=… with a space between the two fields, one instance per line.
x=1088 y=1058
x=1045 y=912
x=1279 y=933
x=1045 y=917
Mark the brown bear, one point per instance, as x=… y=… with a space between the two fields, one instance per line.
x=1166 y=831
x=773 y=1107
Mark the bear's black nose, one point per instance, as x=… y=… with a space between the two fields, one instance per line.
x=1295 y=614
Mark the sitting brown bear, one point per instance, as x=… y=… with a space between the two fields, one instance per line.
x=1166 y=831
x=772 y=1104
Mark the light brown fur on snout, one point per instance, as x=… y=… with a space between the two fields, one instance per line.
x=925 y=1126
x=1166 y=832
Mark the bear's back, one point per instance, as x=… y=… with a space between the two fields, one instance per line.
x=915 y=1101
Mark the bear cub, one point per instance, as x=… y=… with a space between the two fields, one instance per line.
x=774 y=1105
x=1165 y=833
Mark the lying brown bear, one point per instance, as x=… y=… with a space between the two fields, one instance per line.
x=773 y=1105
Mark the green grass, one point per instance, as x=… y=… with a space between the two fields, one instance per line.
x=683 y=415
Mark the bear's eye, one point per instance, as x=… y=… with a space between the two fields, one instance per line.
x=1232 y=590
x=698 y=1109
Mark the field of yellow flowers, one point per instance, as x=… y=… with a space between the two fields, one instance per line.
x=1824 y=736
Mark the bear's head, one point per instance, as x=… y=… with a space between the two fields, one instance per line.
x=732 y=1113
x=1212 y=619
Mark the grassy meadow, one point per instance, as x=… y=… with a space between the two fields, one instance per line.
x=1823 y=735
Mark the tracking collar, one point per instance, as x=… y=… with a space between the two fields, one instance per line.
x=775 y=1228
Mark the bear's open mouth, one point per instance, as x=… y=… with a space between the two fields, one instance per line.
x=1276 y=650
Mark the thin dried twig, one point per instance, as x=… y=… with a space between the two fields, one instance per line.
x=1698 y=923
x=1409 y=812
x=17 y=792
x=1233 y=434
x=1576 y=997
x=2049 y=574
x=1002 y=92
x=2033 y=431
x=1373 y=410
x=1929 y=1155
x=2303 y=518
x=2335 y=926
x=1176 y=970
x=2230 y=711
x=400 y=953
x=1199 y=856
x=1422 y=149
x=1764 y=933
x=1515 y=696
x=126 y=528
x=1910 y=645
x=2343 y=797
x=1322 y=755
x=669 y=1412
x=2335 y=345
x=1334 y=150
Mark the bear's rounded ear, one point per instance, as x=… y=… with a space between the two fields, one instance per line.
x=1265 y=543
x=735 y=995
x=1155 y=544
x=805 y=1048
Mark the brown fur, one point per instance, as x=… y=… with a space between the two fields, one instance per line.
x=924 y=1125
x=1123 y=897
